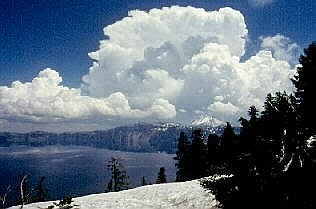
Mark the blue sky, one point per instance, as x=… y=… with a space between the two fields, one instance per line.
x=55 y=33
x=59 y=34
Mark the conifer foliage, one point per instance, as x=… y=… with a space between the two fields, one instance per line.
x=305 y=84
x=161 y=178
x=143 y=181
x=183 y=158
x=198 y=155
x=119 y=178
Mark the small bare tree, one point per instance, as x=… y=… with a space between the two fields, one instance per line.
x=23 y=190
x=3 y=198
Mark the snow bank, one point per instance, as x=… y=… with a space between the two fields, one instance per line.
x=182 y=195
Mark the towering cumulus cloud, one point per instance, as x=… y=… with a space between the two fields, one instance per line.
x=190 y=58
x=174 y=63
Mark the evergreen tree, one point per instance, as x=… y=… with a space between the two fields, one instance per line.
x=198 y=155
x=305 y=167
x=309 y=171
x=253 y=114
x=279 y=125
x=183 y=158
x=270 y=128
x=305 y=84
x=249 y=129
x=119 y=178
x=228 y=140
x=162 y=178
x=212 y=154
x=40 y=192
x=143 y=181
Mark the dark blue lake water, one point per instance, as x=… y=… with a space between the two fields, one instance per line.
x=77 y=170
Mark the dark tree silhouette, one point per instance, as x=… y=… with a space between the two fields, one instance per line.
x=305 y=167
x=249 y=129
x=119 y=178
x=305 y=84
x=143 y=181
x=40 y=192
x=198 y=155
x=161 y=178
x=183 y=158
x=213 y=154
x=228 y=140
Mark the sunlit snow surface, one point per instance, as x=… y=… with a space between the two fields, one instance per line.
x=182 y=195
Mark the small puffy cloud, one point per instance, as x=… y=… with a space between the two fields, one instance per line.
x=220 y=109
x=260 y=3
x=163 y=109
x=281 y=47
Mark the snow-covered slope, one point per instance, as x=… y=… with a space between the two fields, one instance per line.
x=205 y=120
x=184 y=195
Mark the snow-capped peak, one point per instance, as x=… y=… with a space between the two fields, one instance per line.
x=206 y=120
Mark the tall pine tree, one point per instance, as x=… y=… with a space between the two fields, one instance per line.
x=119 y=178
x=305 y=84
x=161 y=178
x=198 y=155
x=212 y=154
x=183 y=158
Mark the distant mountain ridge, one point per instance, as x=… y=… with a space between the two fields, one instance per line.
x=140 y=137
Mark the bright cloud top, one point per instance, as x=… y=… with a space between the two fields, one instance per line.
x=168 y=64
x=189 y=57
